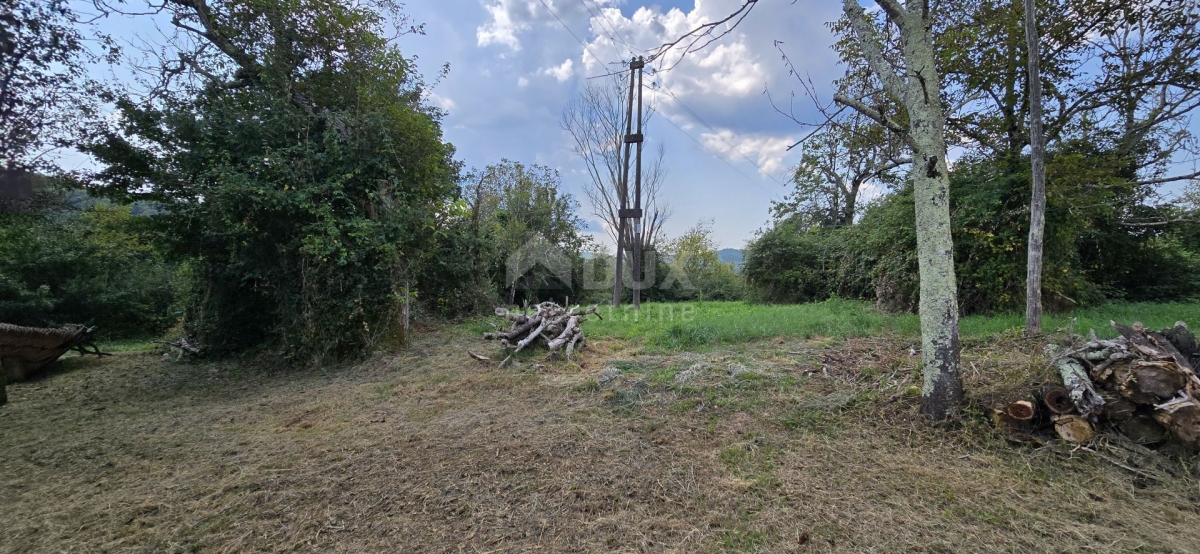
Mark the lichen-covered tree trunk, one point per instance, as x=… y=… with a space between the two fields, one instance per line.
x=942 y=393
x=3 y=389
x=918 y=90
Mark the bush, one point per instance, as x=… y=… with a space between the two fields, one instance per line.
x=93 y=267
x=1089 y=255
x=790 y=263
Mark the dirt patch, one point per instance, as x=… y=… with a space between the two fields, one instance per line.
x=809 y=445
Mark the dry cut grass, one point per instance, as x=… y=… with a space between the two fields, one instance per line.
x=785 y=445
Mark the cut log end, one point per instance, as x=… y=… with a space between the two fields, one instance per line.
x=1057 y=400
x=1072 y=428
x=1021 y=410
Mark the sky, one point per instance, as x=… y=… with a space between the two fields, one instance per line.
x=514 y=67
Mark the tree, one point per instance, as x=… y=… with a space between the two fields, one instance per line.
x=43 y=86
x=596 y=123
x=295 y=163
x=917 y=88
x=532 y=222
x=848 y=153
x=695 y=266
x=92 y=266
x=1037 y=205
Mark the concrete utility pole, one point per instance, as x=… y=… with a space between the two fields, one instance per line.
x=638 y=239
x=625 y=213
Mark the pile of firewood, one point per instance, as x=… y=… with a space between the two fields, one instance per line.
x=558 y=328
x=1142 y=384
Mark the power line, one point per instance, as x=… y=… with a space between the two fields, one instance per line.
x=610 y=26
x=696 y=116
x=564 y=26
x=610 y=37
x=719 y=157
x=668 y=91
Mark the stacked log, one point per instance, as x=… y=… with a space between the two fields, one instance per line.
x=1143 y=384
x=554 y=326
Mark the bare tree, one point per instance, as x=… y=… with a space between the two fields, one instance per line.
x=596 y=122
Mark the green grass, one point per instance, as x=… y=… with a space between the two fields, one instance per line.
x=707 y=324
x=129 y=345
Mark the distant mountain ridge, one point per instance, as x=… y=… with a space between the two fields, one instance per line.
x=731 y=256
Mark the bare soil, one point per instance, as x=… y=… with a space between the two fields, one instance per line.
x=779 y=446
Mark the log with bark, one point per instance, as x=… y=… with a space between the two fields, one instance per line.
x=558 y=328
x=1143 y=384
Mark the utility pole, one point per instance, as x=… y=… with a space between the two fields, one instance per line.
x=625 y=213
x=637 y=138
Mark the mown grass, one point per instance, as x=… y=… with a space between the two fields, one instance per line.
x=706 y=324
x=127 y=345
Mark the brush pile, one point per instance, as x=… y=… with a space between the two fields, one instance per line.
x=558 y=328
x=1142 y=384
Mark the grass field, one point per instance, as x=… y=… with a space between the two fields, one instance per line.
x=779 y=429
x=708 y=324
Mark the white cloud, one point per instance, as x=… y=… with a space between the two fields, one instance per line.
x=765 y=150
x=721 y=84
x=506 y=20
x=562 y=72
x=441 y=101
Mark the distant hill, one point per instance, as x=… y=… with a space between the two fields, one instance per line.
x=731 y=256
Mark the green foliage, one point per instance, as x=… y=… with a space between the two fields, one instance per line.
x=690 y=269
x=43 y=85
x=94 y=267
x=792 y=262
x=308 y=189
x=1090 y=255
x=524 y=220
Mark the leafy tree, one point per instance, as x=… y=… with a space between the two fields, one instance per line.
x=532 y=223
x=94 y=266
x=294 y=161
x=916 y=86
x=43 y=85
x=695 y=271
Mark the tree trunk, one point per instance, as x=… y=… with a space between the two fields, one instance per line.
x=1037 y=205
x=405 y=311
x=1182 y=417
x=1076 y=379
x=919 y=90
x=938 y=307
x=3 y=389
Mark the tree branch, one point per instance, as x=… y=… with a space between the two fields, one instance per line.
x=870 y=112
